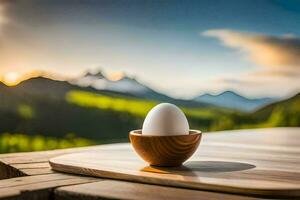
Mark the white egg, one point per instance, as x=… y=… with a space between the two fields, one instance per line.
x=165 y=119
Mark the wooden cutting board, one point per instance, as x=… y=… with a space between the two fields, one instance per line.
x=261 y=165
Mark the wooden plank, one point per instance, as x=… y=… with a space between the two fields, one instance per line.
x=110 y=189
x=44 y=156
x=35 y=168
x=29 y=163
x=24 y=169
x=38 y=171
x=35 y=187
x=199 y=174
x=7 y=171
x=229 y=168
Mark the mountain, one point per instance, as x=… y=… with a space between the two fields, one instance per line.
x=125 y=85
x=44 y=87
x=229 y=99
x=128 y=86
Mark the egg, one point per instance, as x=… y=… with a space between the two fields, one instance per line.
x=165 y=119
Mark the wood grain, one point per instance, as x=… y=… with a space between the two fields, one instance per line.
x=168 y=151
x=7 y=171
x=110 y=189
x=38 y=187
x=30 y=163
x=234 y=166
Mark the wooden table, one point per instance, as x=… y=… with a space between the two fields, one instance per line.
x=29 y=176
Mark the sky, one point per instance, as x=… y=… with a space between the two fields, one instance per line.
x=182 y=48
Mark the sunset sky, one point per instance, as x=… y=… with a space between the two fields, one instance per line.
x=183 y=48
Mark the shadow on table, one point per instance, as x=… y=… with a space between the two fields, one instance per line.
x=216 y=166
x=191 y=168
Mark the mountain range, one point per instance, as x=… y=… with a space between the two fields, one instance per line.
x=128 y=86
x=131 y=86
x=230 y=99
x=55 y=108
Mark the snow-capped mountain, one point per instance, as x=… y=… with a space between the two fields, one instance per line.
x=124 y=85
x=132 y=87
x=233 y=100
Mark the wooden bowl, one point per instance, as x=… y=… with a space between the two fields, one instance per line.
x=165 y=151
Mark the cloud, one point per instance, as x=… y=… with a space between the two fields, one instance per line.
x=234 y=81
x=277 y=58
x=273 y=52
x=276 y=73
x=259 y=86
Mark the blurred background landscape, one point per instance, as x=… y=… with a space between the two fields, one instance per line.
x=78 y=73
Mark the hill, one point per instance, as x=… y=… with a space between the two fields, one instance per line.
x=229 y=99
x=282 y=113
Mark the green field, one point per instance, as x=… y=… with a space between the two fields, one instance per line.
x=136 y=107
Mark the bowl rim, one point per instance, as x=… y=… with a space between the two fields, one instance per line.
x=138 y=132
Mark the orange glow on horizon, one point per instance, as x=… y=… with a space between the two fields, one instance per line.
x=11 y=78
x=14 y=78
